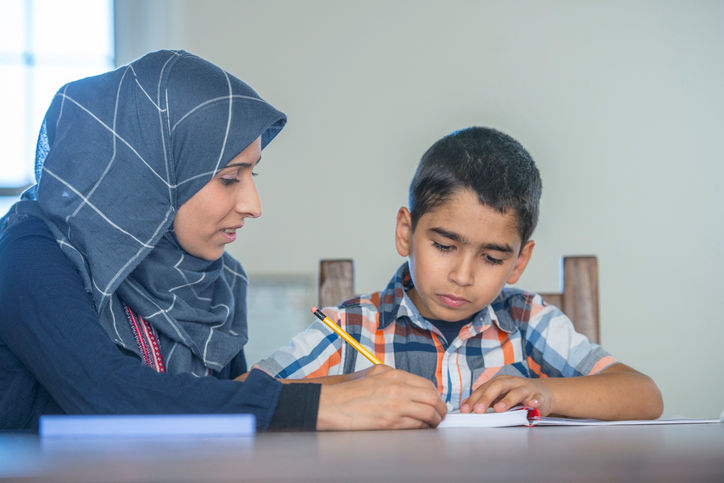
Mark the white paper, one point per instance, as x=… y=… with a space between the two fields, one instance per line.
x=521 y=417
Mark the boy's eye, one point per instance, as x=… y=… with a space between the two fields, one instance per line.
x=494 y=261
x=441 y=247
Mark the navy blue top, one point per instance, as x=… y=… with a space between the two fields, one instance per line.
x=56 y=358
x=450 y=330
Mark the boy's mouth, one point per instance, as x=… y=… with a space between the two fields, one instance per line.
x=452 y=301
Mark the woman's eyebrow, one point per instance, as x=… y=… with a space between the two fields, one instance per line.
x=242 y=165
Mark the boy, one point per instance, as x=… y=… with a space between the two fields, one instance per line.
x=446 y=314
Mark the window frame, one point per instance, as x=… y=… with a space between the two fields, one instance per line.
x=30 y=58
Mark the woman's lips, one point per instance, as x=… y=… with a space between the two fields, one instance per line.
x=229 y=236
x=452 y=301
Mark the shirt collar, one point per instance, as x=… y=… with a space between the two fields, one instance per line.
x=394 y=304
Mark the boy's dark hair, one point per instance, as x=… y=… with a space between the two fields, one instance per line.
x=492 y=164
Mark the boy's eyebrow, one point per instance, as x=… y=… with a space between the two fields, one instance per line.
x=460 y=239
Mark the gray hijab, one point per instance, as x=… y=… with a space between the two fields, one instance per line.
x=117 y=155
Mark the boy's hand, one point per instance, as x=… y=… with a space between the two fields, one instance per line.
x=380 y=398
x=503 y=392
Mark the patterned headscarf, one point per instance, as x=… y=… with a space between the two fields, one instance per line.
x=117 y=155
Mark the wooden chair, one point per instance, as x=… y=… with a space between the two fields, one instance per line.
x=578 y=298
x=336 y=282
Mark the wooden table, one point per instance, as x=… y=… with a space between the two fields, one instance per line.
x=578 y=454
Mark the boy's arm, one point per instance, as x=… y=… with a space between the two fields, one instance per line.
x=315 y=355
x=571 y=376
x=617 y=392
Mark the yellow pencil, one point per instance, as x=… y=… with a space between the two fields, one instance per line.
x=330 y=323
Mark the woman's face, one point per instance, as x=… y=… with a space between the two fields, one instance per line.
x=208 y=220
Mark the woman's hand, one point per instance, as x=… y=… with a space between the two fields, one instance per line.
x=380 y=398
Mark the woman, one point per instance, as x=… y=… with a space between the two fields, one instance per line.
x=117 y=295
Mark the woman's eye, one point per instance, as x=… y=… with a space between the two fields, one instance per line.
x=228 y=181
x=441 y=247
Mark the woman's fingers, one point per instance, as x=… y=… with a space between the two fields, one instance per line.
x=380 y=399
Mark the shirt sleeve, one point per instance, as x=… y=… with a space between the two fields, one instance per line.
x=49 y=323
x=555 y=349
x=316 y=352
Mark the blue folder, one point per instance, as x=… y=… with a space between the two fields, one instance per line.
x=151 y=425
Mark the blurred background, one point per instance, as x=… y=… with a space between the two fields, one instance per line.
x=620 y=103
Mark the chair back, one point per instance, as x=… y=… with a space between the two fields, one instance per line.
x=578 y=298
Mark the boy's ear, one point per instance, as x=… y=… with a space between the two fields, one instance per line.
x=521 y=262
x=403 y=232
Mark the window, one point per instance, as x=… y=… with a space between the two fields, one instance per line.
x=277 y=310
x=43 y=45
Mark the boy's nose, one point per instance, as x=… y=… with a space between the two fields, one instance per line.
x=463 y=272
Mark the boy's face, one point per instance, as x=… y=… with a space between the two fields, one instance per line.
x=461 y=254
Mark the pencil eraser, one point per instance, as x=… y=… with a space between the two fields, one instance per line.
x=314 y=309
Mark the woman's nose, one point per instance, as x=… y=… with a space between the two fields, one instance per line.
x=248 y=203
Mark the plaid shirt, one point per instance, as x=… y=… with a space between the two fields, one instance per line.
x=517 y=334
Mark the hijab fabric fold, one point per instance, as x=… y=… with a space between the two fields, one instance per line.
x=117 y=155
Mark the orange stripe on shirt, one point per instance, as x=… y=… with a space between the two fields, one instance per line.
x=487 y=375
x=460 y=378
x=535 y=367
x=440 y=353
x=507 y=346
x=380 y=339
x=332 y=361
x=602 y=364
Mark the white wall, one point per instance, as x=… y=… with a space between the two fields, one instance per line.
x=619 y=102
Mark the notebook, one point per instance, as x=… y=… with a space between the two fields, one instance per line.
x=519 y=416
x=523 y=416
x=147 y=425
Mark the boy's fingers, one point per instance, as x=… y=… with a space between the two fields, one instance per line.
x=494 y=391
x=535 y=401
x=515 y=396
x=489 y=394
x=466 y=406
x=475 y=398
